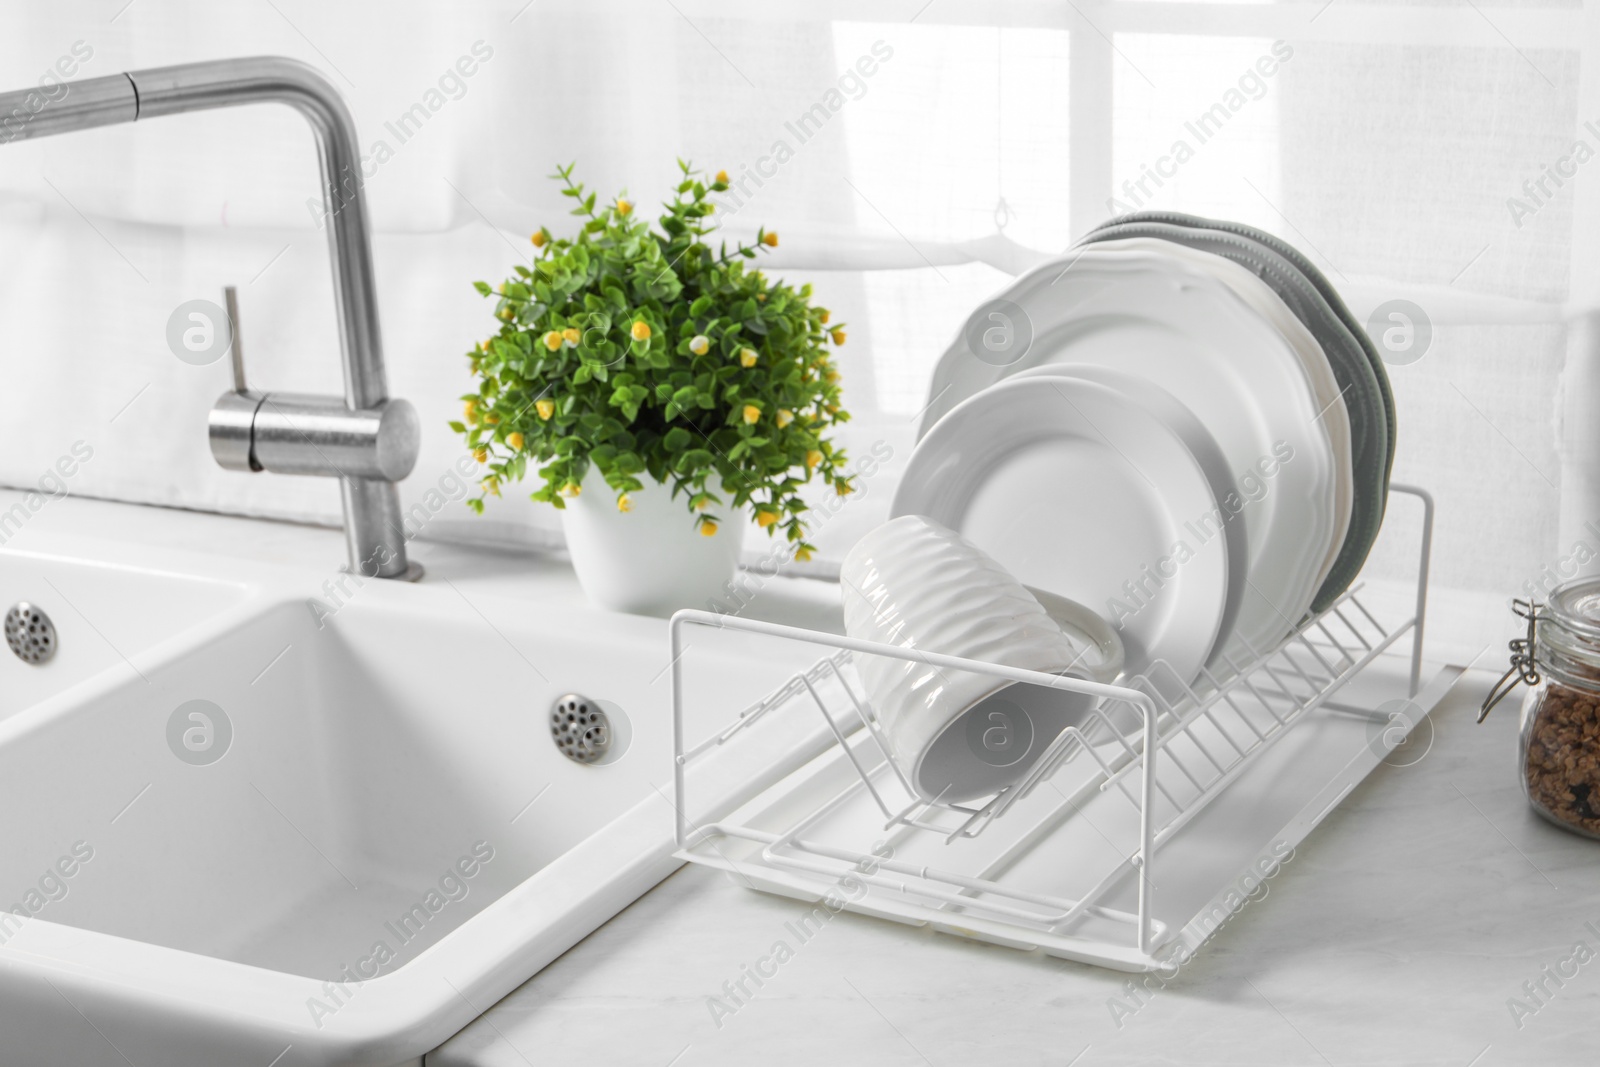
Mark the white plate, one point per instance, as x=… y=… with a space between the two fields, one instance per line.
x=1180 y=327
x=1201 y=445
x=1079 y=490
x=1335 y=416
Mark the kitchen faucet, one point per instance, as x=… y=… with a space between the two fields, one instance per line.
x=367 y=440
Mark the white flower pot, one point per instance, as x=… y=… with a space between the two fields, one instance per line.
x=652 y=559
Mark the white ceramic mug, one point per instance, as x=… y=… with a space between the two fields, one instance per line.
x=957 y=735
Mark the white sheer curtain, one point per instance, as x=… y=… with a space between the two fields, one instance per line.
x=1417 y=151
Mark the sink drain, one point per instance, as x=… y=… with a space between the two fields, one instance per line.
x=30 y=633
x=581 y=730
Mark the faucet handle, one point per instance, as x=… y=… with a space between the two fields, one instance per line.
x=233 y=417
x=230 y=299
x=292 y=433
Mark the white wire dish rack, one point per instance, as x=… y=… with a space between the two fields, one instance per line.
x=1121 y=847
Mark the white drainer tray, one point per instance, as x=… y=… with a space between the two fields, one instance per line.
x=1240 y=770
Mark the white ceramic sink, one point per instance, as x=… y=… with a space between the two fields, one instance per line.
x=388 y=843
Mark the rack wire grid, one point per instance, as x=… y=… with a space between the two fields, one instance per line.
x=1194 y=738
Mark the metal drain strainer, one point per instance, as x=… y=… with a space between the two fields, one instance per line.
x=30 y=633
x=580 y=729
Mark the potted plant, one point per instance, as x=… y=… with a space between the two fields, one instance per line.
x=665 y=394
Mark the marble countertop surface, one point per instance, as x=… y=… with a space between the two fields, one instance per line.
x=1431 y=919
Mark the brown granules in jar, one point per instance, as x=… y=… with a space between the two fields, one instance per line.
x=1564 y=756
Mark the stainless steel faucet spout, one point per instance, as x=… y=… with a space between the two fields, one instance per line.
x=373 y=526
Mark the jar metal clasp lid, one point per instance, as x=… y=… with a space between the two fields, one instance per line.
x=1524 y=667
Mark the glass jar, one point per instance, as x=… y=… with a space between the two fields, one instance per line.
x=1559 y=748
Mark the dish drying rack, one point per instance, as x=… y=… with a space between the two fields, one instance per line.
x=1076 y=869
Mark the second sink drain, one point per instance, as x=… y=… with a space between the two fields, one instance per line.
x=581 y=728
x=30 y=633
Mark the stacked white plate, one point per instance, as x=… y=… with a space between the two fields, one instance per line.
x=1169 y=444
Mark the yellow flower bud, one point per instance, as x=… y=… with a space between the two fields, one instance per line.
x=505 y=314
x=770 y=240
x=483 y=346
x=752 y=414
x=838 y=337
x=785 y=417
x=481 y=455
x=803 y=555
x=470 y=410
x=624 y=503
x=501 y=288
x=491 y=485
x=813 y=457
x=747 y=357
x=515 y=440
x=722 y=177
x=833 y=376
x=708 y=528
x=539 y=239
x=766 y=518
x=491 y=419
x=826 y=315
x=833 y=409
x=624 y=208
x=640 y=331
x=844 y=488
x=571 y=336
x=552 y=340
x=702 y=504
x=700 y=344
x=571 y=489
x=546 y=408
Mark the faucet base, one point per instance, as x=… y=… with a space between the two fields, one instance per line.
x=413 y=573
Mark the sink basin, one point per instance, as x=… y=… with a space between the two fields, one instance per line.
x=295 y=832
x=103 y=613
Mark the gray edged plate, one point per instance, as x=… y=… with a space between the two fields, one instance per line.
x=1356 y=367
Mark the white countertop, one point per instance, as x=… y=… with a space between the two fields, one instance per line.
x=1396 y=935
x=539 y=577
